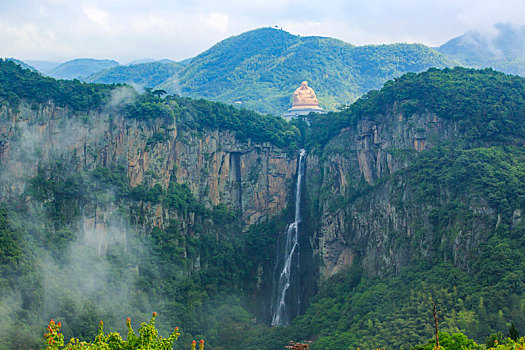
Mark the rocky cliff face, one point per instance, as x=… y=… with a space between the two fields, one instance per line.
x=253 y=178
x=380 y=229
x=387 y=227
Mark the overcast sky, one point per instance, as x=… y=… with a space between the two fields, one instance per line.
x=125 y=30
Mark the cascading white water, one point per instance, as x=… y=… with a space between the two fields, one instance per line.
x=288 y=258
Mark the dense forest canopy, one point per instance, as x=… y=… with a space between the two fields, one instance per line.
x=488 y=106
x=17 y=84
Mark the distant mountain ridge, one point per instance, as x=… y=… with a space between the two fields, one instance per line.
x=261 y=68
x=80 y=68
x=141 y=75
x=148 y=60
x=501 y=47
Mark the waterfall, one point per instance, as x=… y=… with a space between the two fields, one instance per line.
x=287 y=264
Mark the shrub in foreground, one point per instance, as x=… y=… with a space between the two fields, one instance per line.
x=147 y=338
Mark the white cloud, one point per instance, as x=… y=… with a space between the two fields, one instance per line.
x=98 y=16
x=129 y=29
x=216 y=21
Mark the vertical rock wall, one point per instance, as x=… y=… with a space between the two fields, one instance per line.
x=254 y=178
x=370 y=228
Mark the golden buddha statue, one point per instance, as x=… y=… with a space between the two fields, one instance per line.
x=304 y=97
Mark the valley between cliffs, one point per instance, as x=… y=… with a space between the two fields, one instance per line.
x=178 y=204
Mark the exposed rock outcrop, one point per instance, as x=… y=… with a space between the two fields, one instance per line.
x=383 y=228
x=250 y=177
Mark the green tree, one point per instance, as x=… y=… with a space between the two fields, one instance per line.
x=514 y=334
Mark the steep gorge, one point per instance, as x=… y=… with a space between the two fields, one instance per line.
x=391 y=181
x=139 y=198
x=416 y=193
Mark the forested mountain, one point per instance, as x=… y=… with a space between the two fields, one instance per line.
x=261 y=69
x=418 y=187
x=116 y=204
x=80 y=68
x=501 y=47
x=141 y=198
x=149 y=74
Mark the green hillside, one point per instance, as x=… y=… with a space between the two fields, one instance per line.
x=487 y=105
x=17 y=84
x=80 y=68
x=149 y=74
x=262 y=68
x=501 y=47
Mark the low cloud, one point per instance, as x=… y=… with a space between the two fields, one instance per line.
x=122 y=95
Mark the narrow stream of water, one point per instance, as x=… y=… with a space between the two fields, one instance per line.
x=287 y=265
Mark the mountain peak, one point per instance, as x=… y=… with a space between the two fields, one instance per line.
x=496 y=41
